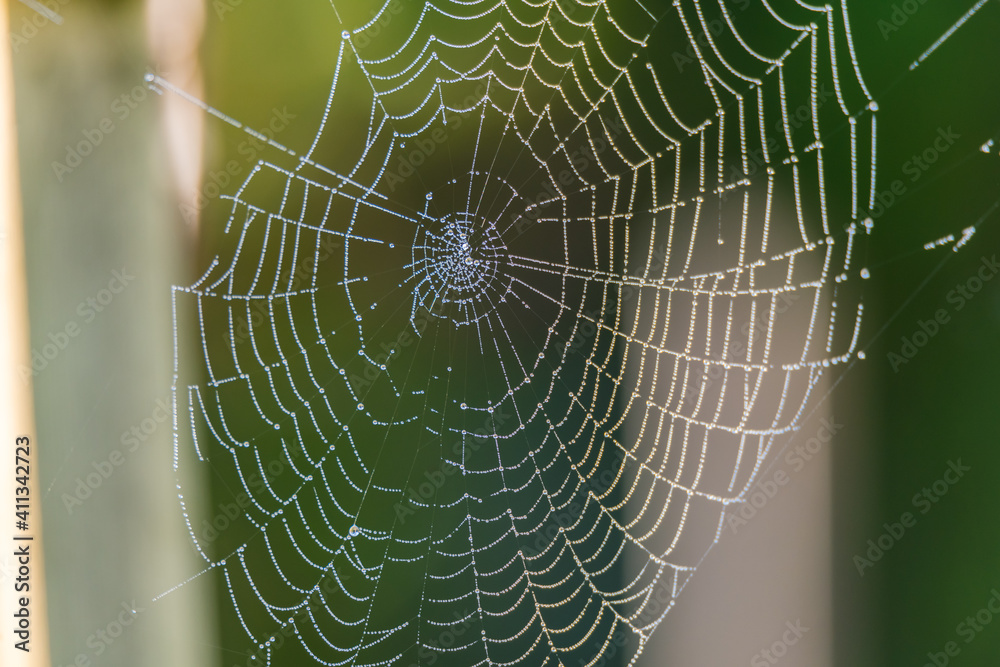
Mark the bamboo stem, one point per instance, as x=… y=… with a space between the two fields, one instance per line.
x=16 y=405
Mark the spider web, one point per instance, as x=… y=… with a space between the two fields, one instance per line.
x=482 y=374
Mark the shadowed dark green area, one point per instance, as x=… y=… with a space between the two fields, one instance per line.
x=941 y=405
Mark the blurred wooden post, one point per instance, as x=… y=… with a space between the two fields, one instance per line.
x=16 y=405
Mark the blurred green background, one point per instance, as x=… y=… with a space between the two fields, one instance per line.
x=125 y=542
x=943 y=405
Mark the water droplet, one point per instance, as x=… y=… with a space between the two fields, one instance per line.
x=354 y=531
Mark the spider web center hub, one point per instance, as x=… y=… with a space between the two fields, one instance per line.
x=459 y=264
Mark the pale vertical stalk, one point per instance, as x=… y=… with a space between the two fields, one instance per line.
x=174 y=29
x=16 y=406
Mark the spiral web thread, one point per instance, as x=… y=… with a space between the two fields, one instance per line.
x=484 y=374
